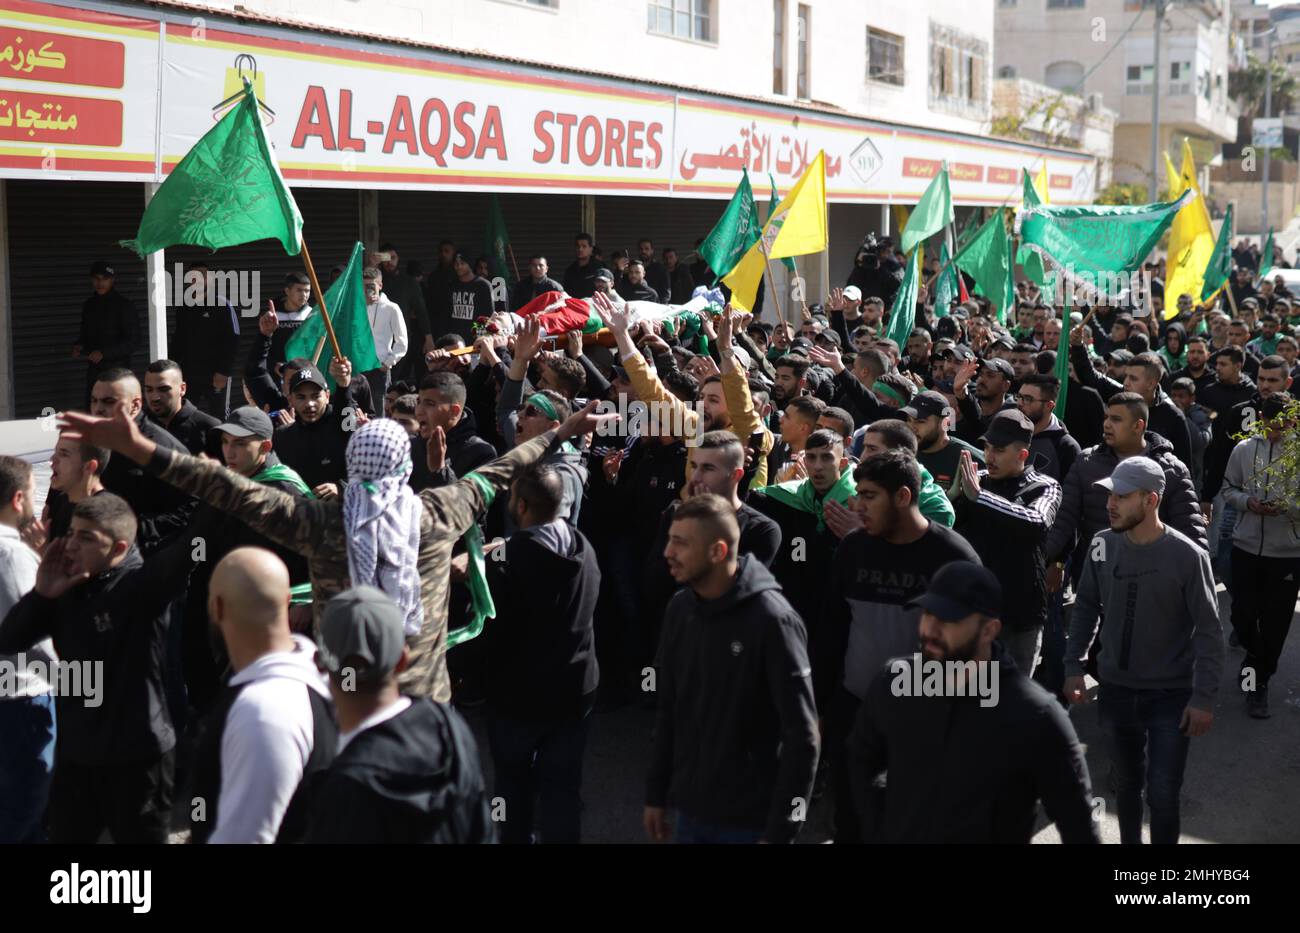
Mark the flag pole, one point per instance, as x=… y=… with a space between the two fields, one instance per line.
x=771 y=285
x=511 y=250
x=325 y=315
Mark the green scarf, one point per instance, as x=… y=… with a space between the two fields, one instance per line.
x=279 y=473
x=299 y=595
x=799 y=494
x=481 y=606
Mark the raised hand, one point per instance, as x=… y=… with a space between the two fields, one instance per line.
x=52 y=578
x=528 y=340
x=831 y=359
x=118 y=433
x=436 y=450
x=268 y=321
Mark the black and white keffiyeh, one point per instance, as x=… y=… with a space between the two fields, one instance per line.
x=381 y=515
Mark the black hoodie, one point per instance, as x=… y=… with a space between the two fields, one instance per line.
x=411 y=779
x=318 y=451
x=118 y=618
x=736 y=737
x=541 y=647
x=961 y=772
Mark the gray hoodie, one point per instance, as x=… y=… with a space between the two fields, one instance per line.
x=1244 y=479
x=1161 y=611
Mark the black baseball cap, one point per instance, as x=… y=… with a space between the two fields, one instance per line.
x=603 y=273
x=248 y=421
x=1001 y=366
x=959 y=589
x=307 y=374
x=925 y=404
x=1008 y=426
x=103 y=268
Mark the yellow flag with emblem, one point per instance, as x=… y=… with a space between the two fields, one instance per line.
x=797 y=227
x=1191 y=241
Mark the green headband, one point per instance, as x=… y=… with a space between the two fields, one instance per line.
x=542 y=404
x=891 y=392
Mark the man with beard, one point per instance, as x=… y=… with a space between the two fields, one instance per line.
x=960 y=769
x=206 y=340
x=978 y=403
x=1053 y=448
x=538 y=282
x=165 y=392
x=634 y=287
x=1162 y=662
x=736 y=736
x=876 y=573
x=160 y=511
x=1197 y=369
x=937 y=450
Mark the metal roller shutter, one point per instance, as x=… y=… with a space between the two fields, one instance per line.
x=57 y=229
x=537 y=223
x=675 y=222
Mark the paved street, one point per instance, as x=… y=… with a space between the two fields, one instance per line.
x=1240 y=784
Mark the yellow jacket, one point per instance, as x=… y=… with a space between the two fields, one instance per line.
x=745 y=421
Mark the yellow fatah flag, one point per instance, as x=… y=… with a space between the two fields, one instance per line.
x=1191 y=241
x=797 y=227
x=1040 y=184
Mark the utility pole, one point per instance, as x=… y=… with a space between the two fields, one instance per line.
x=1155 y=101
x=1268 y=112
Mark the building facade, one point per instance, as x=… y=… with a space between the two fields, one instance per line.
x=401 y=121
x=1106 y=47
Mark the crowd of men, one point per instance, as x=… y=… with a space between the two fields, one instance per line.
x=292 y=600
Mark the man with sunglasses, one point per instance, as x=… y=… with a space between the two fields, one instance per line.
x=1052 y=450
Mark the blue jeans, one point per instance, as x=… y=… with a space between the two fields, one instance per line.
x=27 y=730
x=1146 y=747
x=691 y=831
x=543 y=760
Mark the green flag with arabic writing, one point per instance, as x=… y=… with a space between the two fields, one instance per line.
x=226 y=191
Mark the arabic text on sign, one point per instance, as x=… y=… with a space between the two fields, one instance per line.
x=36 y=117
x=33 y=55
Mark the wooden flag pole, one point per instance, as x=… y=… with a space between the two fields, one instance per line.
x=325 y=314
x=771 y=285
x=511 y=250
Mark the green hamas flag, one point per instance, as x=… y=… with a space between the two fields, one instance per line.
x=1096 y=241
x=1030 y=261
x=497 y=242
x=987 y=257
x=1266 y=259
x=226 y=191
x=787 y=261
x=1219 y=269
x=346 y=299
x=945 y=290
x=902 y=315
x=735 y=232
x=931 y=214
